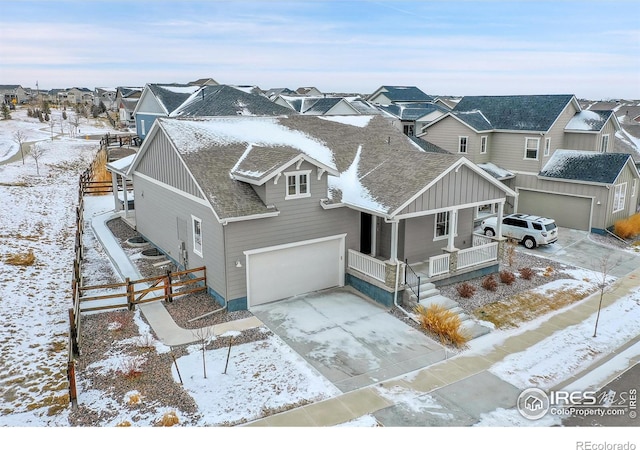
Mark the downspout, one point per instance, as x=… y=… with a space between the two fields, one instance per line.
x=395 y=292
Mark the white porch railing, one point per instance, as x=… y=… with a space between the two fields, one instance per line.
x=367 y=265
x=438 y=265
x=477 y=255
x=480 y=239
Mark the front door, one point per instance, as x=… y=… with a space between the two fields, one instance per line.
x=365 y=233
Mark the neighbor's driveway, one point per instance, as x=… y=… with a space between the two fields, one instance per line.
x=576 y=248
x=350 y=340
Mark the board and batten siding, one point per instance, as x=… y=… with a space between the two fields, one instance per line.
x=419 y=236
x=300 y=219
x=162 y=163
x=456 y=188
x=630 y=200
x=164 y=217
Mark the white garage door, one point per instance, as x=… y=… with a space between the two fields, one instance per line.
x=567 y=210
x=279 y=272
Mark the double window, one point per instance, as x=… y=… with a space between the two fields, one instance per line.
x=619 y=197
x=462 y=144
x=531 y=146
x=442 y=225
x=298 y=184
x=604 y=145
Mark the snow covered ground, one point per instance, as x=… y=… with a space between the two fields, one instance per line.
x=38 y=214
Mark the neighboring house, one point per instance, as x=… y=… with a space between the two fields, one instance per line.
x=159 y=100
x=12 y=93
x=412 y=116
x=518 y=136
x=280 y=206
x=127 y=100
x=272 y=93
x=199 y=101
x=446 y=102
x=309 y=90
x=204 y=82
x=77 y=96
x=386 y=95
x=316 y=106
x=108 y=96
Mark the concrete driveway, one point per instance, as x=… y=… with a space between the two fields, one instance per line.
x=350 y=340
x=577 y=248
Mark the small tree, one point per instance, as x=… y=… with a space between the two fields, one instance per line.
x=6 y=113
x=36 y=153
x=605 y=265
x=19 y=137
x=203 y=335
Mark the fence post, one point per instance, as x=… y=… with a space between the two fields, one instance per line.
x=71 y=377
x=168 y=292
x=130 y=295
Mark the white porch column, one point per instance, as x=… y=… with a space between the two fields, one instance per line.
x=126 y=200
x=114 y=185
x=453 y=227
x=499 y=220
x=374 y=236
x=394 y=242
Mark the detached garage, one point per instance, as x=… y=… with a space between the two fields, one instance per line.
x=568 y=211
x=279 y=272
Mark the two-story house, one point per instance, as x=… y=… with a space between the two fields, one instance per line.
x=516 y=138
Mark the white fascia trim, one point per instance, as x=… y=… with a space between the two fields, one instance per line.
x=569 y=130
x=324 y=205
x=575 y=102
x=448 y=208
x=519 y=172
x=591 y=183
x=274 y=172
x=249 y=217
x=296 y=244
x=544 y=191
x=175 y=190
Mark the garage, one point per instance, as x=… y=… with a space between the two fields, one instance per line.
x=567 y=210
x=279 y=272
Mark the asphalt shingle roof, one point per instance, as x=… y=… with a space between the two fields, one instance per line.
x=367 y=150
x=585 y=166
x=224 y=100
x=406 y=94
x=588 y=121
x=411 y=111
x=172 y=95
x=517 y=112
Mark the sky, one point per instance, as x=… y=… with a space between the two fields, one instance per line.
x=588 y=48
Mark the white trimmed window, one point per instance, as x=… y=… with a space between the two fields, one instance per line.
x=619 y=196
x=531 y=146
x=442 y=225
x=197 y=235
x=462 y=144
x=547 y=146
x=298 y=184
x=144 y=129
x=483 y=144
x=604 y=144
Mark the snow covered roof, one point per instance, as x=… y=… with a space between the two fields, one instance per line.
x=517 y=112
x=411 y=111
x=171 y=96
x=403 y=94
x=371 y=164
x=588 y=166
x=588 y=121
x=496 y=172
x=225 y=100
x=121 y=165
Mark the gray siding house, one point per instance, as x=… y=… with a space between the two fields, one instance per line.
x=280 y=206
x=515 y=138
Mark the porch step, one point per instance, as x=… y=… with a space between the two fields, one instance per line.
x=474 y=328
x=441 y=300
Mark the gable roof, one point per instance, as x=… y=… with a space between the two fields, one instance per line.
x=518 y=112
x=363 y=155
x=578 y=165
x=411 y=111
x=171 y=96
x=402 y=94
x=589 y=120
x=225 y=100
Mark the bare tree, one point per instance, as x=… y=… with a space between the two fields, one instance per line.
x=19 y=138
x=74 y=122
x=52 y=123
x=604 y=267
x=203 y=335
x=36 y=153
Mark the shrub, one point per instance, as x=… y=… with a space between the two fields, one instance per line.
x=490 y=283
x=507 y=277
x=627 y=228
x=169 y=419
x=131 y=368
x=466 y=290
x=548 y=271
x=443 y=323
x=526 y=273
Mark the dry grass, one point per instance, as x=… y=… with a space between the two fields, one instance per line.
x=169 y=419
x=443 y=323
x=20 y=259
x=628 y=228
x=99 y=165
x=526 y=306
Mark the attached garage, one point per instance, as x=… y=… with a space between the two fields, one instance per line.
x=279 y=272
x=567 y=210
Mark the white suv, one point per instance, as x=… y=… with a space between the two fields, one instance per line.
x=530 y=230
